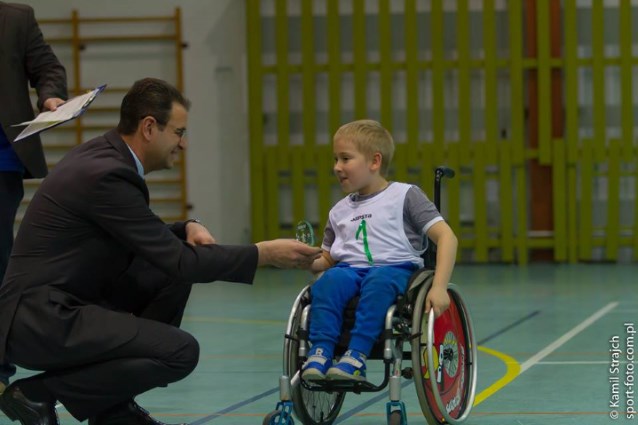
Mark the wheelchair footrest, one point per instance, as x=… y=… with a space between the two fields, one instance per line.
x=344 y=386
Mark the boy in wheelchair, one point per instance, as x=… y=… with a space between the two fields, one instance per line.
x=373 y=242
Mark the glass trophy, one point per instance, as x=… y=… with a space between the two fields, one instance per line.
x=304 y=233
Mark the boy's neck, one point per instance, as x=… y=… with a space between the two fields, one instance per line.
x=375 y=187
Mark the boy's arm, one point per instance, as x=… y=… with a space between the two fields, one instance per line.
x=446 y=243
x=322 y=263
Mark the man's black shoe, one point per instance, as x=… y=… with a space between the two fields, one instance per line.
x=127 y=413
x=19 y=408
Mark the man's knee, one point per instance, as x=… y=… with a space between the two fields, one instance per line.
x=187 y=354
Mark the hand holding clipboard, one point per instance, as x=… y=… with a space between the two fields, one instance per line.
x=69 y=110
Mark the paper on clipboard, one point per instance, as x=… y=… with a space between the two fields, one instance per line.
x=69 y=110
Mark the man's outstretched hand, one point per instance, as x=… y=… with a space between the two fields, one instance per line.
x=287 y=254
x=197 y=234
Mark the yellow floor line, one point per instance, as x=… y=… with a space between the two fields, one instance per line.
x=513 y=370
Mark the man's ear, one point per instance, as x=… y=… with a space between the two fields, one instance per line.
x=146 y=126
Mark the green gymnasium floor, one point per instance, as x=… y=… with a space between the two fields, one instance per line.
x=543 y=332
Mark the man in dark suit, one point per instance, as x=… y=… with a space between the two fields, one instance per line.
x=90 y=252
x=24 y=58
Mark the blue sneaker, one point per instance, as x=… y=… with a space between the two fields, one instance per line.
x=314 y=369
x=351 y=367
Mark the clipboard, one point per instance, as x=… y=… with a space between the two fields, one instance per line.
x=68 y=111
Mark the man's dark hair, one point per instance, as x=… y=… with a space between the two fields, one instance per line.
x=148 y=97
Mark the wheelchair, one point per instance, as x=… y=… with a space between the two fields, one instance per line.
x=442 y=352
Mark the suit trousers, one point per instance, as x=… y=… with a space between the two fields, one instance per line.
x=11 y=193
x=159 y=354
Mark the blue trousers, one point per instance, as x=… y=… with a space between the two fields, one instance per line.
x=378 y=288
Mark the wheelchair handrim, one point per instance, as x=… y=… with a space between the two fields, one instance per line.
x=454 y=405
x=300 y=396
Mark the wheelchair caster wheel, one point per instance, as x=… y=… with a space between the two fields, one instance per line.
x=396 y=418
x=277 y=417
x=407 y=373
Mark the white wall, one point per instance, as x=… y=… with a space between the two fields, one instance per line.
x=215 y=82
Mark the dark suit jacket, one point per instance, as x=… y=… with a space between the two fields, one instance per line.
x=82 y=229
x=25 y=58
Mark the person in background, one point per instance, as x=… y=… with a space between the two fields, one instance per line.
x=24 y=59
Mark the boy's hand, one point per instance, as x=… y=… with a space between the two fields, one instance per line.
x=438 y=299
x=322 y=263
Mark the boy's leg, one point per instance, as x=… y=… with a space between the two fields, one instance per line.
x=379 y=291
x=330 y=295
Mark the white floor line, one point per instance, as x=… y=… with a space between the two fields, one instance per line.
x=583 y=362
x=569 y=335
x=625 y=311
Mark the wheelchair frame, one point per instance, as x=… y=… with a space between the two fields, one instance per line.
x=319 y=403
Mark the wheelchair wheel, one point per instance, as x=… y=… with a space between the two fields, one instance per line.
x=444 y=358
x=310 y=407
x=396 y=418
x=275 y=418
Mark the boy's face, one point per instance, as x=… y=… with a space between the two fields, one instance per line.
x=355 y=171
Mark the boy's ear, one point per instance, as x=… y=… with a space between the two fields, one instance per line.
x=377 y=160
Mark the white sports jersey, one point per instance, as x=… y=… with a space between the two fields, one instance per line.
x=377 y=223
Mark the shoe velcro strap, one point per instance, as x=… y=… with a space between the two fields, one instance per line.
x=352 y=361
x=317 y=359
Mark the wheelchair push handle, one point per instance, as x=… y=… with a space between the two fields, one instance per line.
x=439 y=173
x=445 y=171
